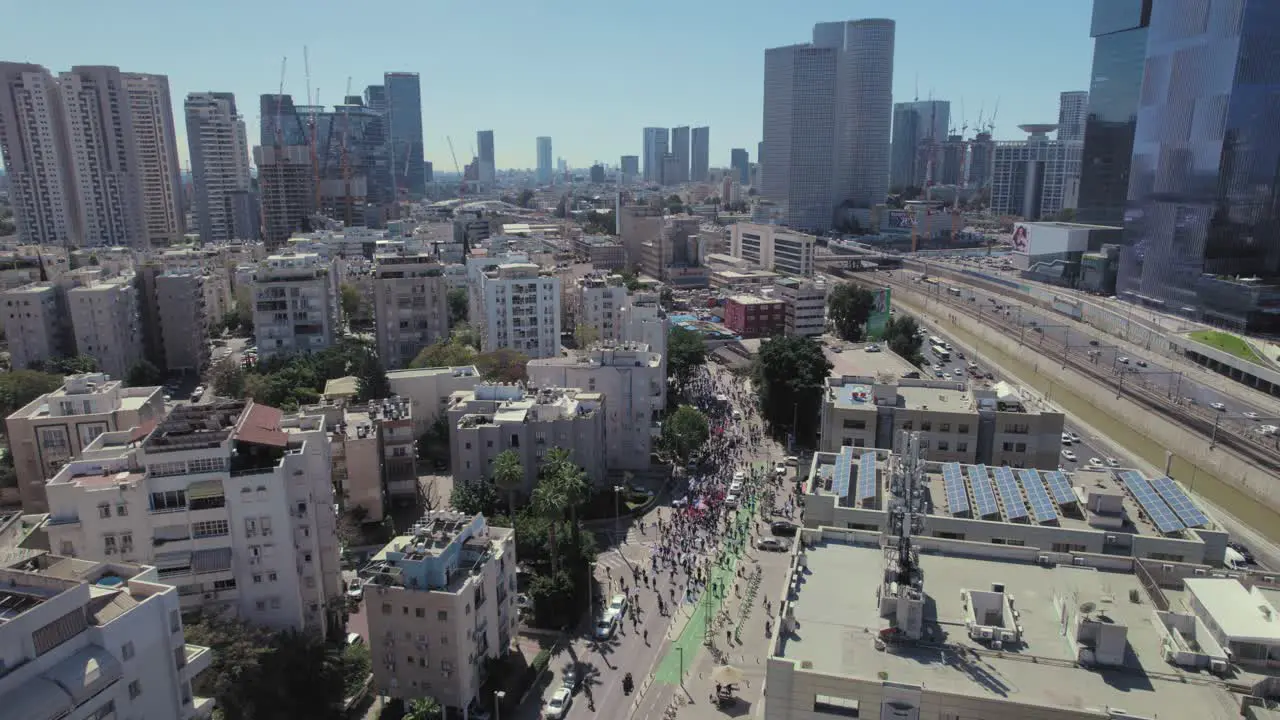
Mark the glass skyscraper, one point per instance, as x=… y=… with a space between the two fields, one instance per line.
x=1202 y=232
x=404 y=132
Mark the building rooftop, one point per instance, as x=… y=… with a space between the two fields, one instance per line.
x=440 y=552
x=456 y=371
x=754 y=300
x=514 y=404
x=190 y=427
x=836 y=632
x=856 y=362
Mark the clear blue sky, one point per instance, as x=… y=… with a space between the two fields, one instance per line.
x=589 y=74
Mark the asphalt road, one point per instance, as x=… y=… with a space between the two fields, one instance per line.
x=1151 y=369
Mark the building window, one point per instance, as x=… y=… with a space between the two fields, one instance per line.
x=135 y=689
x=962 y=447
x=272 y=576
x=109 y=544
x=264 y=522
x=420 y=612
x=1020 y=447
x=275 y=603
x=257 y=579
x=926 y=425
x=835 y=706
x=210 y=528
x=943 y=445
x=126 y=542
x=250 y=527
x=68 y=548
x=386 y=608
x=261 y=605
x=104 y=510
x=860 y=442
x=122 y=509
x=442 y=615
x=963 y=429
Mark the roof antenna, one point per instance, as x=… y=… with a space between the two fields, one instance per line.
x=917 y=99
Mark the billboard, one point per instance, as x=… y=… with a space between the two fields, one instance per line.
x=898 y=221
x=878 y=320
x=1049 y=238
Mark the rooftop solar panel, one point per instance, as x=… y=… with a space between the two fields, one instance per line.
x=1010 y=494
x=840 y=482
x=1161 y=516
x=1181 y=504
x=953 y=483
x=1060 y=487
x=984 y=496
x=1042 y=510
x=866 y=476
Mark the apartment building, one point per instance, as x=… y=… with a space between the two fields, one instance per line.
x=637 y=225
x=159 y=177
x=440 y=601
x=211 y=262
x=600 y=300
x=428 y=390
x=520 y=310
x=804 y=306
x=411 y=306
x=286 y=180
x=956 y=423
x=106 y=321
x=37 y=158
x=295 y=305
x=231 y=502
x=90 y=639
x=751 y=316
x=673 y=255
x=489 y=419
x=35 y=325
x=633 y=378
x=56 y=427
x=184 y=322
x=604 y=253
x=642 y=320
x=219 y=151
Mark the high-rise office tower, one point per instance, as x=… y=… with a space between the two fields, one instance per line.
x=37 y=157
x=740 y=163
x=700 y=160
x=1036 y=178
x=286 y=182
x=1119 y=30
x=544 y=160
x=1200 y=230
x=219 y=162
x=1073 y=111
x=919 y=129
x=827 y=112
x=655 y=147
x=629 y=168
x=404 y=133
x=680 y=150
x=488 y=167
x=375 y=97
x=156 y=140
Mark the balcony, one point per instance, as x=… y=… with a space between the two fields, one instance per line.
x=197 y=659
x=201 y=707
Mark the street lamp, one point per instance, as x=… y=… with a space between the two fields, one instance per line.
x=617 y=493
x=498 y=697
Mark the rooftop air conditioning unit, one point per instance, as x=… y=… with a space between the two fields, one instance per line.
x=1166 y=568
x=1043 y=559
x=1201 y=572
x=1077 y=561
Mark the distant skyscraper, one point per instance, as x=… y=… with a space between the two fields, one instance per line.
x=287 y=185
x=375 y=97
x=700 y=161
x=919 y=129
x=1073 y=112
x=740 y=163
x=655 y=147
x=544 y=160
x=680 y=149
x=488 y=166
x=156 y=139
x=1119 y=31
x=597 y=174
x=37 y=156
x=629 y=167
x=827 y=111
x=219 y=162
x=1036 y=178
x=404 y=132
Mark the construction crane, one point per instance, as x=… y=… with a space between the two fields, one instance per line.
x=462 y=179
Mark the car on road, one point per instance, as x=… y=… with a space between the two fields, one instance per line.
x=836 y=349
x=939 y=374
x=873 y=348
x=1122 y=360
x=959 y=355
x=558 y=704
x=1095 y=462
x=739 y=476
x=1142 y=363
x=780 y=470
x=1093 y=343
x=1069 y=456
x=617 y=605
x=1112 y=462
x=1066 y=438
x=782 y=528
x=1075 y=437
x=773 y=544
x=1251 y=415
x=731 y=501
x=957 y=372
x=605 y=627
x=735 y=488
x=571 y=678
x=355 y=591
x=793 y=460
x=1218 y=406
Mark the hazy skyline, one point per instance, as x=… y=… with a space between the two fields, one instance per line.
x=589 y=76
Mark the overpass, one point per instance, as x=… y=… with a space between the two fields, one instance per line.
x=855 y=258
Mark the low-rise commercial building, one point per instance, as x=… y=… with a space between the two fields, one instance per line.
x=604 y=253
x=956 y=423
x=411 y=306
x=489 y=419
x=741 y=280
x=52 y=430
x=231 y=501
x=440 y=602
x=95 y=639
x=633 y=378
x=804 y=306
x=750 y=316
x=773 y=247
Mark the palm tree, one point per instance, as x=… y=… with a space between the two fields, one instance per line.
x=550 y=502
x=423 y=709
x=573 y=484
x=508 y=475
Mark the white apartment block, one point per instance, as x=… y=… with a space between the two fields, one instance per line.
x=411 y=306
x=55 y=428
x=643 y=321
x=440 y=602
x=210 y=262
x=37 y=158
x=35 y=324
x=428 y=390
x=230 y=501
x=1035 y=178
x=219 y=151
x=773 y=248
x=157 y=148
x=635 y=382
x=295 y=306
x=106 y=322
x=489 y=419
x=600 y=300
x=805 y=305
x=184 y=321
x=520 y=310
x=88 y=639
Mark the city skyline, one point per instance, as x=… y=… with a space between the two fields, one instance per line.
x=602 y=123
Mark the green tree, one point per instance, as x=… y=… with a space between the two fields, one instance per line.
x=425 y=708
x=458 y=306
x=434 y=443
x=227 y=378
x=584 y=335
x=74 y=365
x=790 y=376
x=686 y=352
x=231 y=321
x=571 y=482
x=465 y=334
x=474 y=496
x=444 y=354
x=19 y=387
x=503 y=365
x=666 y=297
x=356 y=664
x=372 y=382
x=683 y=432
x=525 y=199
x=144 y=373
x=849 y=306
x=349 y=299
x=550 y=502
x=508 y=476
x=903 y=337
x=630 y=279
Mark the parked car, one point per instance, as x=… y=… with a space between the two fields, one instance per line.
x=1251 y=415
x=605 y=626
x=1122 y=360
x=782 y=528
x=1095 y=462
x=1069 y=456
x=571 y=678
x=793 y=460
x=1218 y=406
x=1142 y=363
x=780 y=470
x=1066 y=438
x=772 y=544
x=618 y=605
x=872 y=348
x=558 y=704
x=1112 y=462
